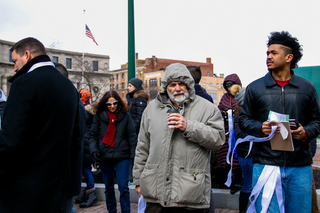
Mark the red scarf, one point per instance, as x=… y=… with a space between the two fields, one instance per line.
x=108 y=138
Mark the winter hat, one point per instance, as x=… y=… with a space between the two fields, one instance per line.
x=85 y=96
x=137 y=83
x=238 y=93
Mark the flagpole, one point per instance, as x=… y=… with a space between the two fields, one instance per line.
x=84 y=32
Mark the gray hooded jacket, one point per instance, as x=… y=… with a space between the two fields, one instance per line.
x=173 y=167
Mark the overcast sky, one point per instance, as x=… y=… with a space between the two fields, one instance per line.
x=233 y=33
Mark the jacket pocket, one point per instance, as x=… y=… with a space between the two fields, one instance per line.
x=190 y=187
x=148 y=181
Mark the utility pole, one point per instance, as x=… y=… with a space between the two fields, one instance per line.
x=131 y=42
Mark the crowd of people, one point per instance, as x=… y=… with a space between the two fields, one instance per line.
x=53 y=134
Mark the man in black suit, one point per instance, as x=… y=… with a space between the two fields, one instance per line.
x=40 y=134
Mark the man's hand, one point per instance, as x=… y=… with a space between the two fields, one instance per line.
x=266 y=128
x=138 y=190
x=177 y=121
x=299 y=134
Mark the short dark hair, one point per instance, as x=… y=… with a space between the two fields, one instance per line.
x=102 y=104
x=285 y=38
x=34 y=46
x=62 y=69
x=195 y=71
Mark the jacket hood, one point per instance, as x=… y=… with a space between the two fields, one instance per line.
x=141 y=93
x=90 y=109
x=233 y=77
x=176 y=72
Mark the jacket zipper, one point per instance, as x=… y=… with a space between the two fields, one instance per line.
x=283 y=111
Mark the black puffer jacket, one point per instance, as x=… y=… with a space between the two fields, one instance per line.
x=137 y=101
x=298 y=99
x=125 y=137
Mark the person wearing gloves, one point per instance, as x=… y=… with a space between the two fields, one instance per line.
x=172 y=163
x=113 y=142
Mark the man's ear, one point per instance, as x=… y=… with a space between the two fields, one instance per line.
x=289 y=58
x=28 y=55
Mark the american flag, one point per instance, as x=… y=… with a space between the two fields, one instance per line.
x=89 y=34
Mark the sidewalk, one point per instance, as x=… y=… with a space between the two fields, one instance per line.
x=100 y=207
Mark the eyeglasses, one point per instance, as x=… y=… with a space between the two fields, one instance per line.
x=112 y=103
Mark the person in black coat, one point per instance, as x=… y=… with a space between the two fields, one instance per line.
x=195 y=71
x=113 y=141
x=40 y=134
x=137 y=100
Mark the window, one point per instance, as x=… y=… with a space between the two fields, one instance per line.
x=140 y=72
x=208 y=74
x=221 y=86
x=68 y=63
x=122 y=85
x=153 y=82
x=122 y=75
x=159 y=81
x=217 y=85
x=10 y=56
x=214 y=96
x=123 y=95
x=95 y=66
x=146 y=84
x=54 y=59
x=117 y=77
x=117 y=86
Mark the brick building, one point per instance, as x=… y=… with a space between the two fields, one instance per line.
x=151 y=71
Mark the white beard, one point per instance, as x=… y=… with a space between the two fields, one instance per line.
x=178 y=100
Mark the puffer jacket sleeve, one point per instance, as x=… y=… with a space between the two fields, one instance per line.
x=209 y=134
x=94 y=134
x=132 y=136
x=142 y=150
x=138 y=106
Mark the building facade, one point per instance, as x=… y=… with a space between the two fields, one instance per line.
x=89 y=71
x=151 y=71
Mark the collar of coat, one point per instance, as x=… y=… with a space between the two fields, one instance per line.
x=269 y=80
x=27 y=66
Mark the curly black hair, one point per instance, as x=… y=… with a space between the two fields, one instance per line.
x=285 y=38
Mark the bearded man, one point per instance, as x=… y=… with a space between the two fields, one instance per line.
x=172 y=161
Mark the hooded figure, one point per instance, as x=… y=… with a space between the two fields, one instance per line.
x=227 y=101
x=172 y=164
x=137 y=100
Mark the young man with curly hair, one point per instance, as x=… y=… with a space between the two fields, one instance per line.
x=282 y=91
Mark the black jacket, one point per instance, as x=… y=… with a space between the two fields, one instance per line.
x=242 y=148
x=39 y=140
x=125 y=137
x=137 y=102
x=298 y=99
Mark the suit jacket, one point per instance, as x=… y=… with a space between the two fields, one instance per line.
x=38 y=140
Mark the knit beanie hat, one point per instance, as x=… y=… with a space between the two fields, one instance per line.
x=137 y=83
x=85 y=96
